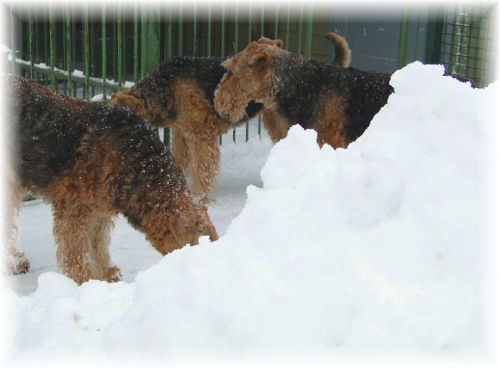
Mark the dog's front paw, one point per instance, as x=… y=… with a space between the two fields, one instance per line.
x=114 y=275
x=17 y=264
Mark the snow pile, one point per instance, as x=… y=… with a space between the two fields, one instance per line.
x=376 y=248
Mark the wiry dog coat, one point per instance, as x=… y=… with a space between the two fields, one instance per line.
x=92 y=162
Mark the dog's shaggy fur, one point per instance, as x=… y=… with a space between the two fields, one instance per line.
x=338 y=103
x=92 y=162
x=180 y=93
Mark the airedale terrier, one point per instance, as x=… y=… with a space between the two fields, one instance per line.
x=92 y=162
x=338 y=103
x=180 y=93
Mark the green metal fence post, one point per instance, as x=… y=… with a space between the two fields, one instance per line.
x=53 y=46
x=136 y=42
x=209 y=30
x=195 y=30
x=309 y=31
x=287 y=32
x=179 y=43
x=223 y=32
x=434 y=35
x=154 y=36
x=299 y=43
x=277 y=21
x=236 y=30
x=31 y=41
x=68 y=50
x=403 y=38
x=86 y=52
x=120 y=46
x=103 y=51
x=12 y=41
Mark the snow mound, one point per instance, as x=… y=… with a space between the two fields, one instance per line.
x=375 y=248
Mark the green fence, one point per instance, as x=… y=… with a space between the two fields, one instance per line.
x=468 y=33
x=88 y=49
x=84 y=50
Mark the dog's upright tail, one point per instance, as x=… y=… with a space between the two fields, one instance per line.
x=342 y=51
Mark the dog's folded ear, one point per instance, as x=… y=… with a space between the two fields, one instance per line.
x=268 y=41
x=258 y=59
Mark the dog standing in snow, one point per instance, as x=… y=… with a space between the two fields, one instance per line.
x=180 y=94
x=92 y=162
x=338 y=103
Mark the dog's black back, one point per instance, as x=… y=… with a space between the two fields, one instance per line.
x=50 y=132
x=43 y=140
x=302 y=85
x=207 y=72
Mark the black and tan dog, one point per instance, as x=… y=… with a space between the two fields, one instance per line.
x=180 y=94
x=92 y=162
x=338 y=103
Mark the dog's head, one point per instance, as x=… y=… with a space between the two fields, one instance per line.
x=248 y=77
x=184 y=222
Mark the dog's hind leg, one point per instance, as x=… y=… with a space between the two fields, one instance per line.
x=204 y=165
x=82 y=239
x=101 y=240
x=179 y=149
x=14 y=260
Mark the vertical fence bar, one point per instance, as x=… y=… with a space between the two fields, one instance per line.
x=93 y=47
x=68 y=49
x=144 y=40
x=262 y=20
x=53 y=46
x=31 y=33
x=64 y=54
x=104 y=56
x=12 y=41
x=154 y=36
x=195 y=30
x=179 y=43
x=168 y=37
x=136 y=42
x=209 y=30
x=223 y=31
x=168 y=55
x=222 y=51
x=73 y=47
x=247 y=124
x=120 y=45
x=433 y=37
x=277 y=20
x=86 y=51
x=403 y=38
x=287 y=32
x=249 y=23
x=299 y=43
x=20 y=35
x=46 y=38
x=236 y=29
x=309 y=31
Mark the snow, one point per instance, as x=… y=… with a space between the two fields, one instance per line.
x=379 y=249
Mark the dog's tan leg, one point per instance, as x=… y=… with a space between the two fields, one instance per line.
x=101 y=240
x=14 y=260
x=179 y=149
x=276 y=125
x=204 y=165
x=82 y=242
x=72 y=236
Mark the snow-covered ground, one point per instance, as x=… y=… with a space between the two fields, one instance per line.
x=383 y=249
